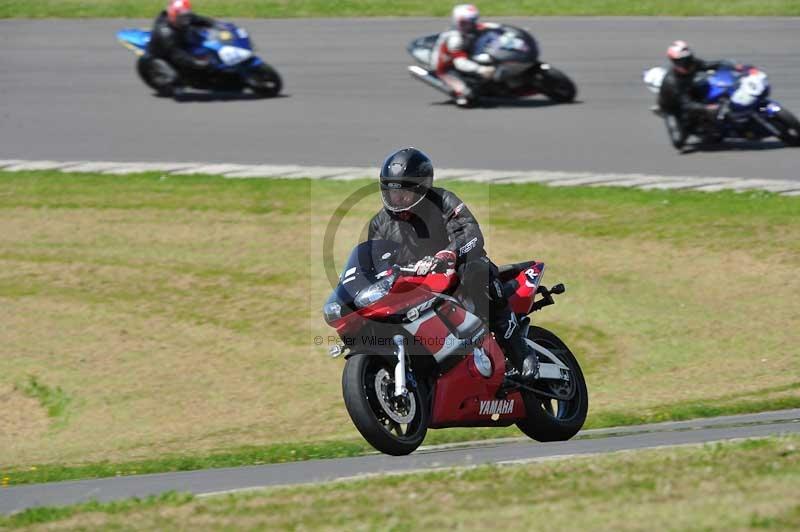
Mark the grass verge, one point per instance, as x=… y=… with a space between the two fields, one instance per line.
x=371 y=8
x=294 y=452
x=723 y=486
x=180 y=311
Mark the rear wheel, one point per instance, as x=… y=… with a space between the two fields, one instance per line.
x=552 y=419
x=557 y=86
x=264 y=81
x=393 y=425
x=788 y=125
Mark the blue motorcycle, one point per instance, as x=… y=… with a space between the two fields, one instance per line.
x=234 y=66
x=743 y=98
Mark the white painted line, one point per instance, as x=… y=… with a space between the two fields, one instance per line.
x=331 y=172
x=23 y=166
x=447 y=174
x=9 y=162
x=211 y=169
x=770 y=185
x=92 y=166
x=584 y=181
x=348 y=173
x=728 y=184
x=265 y=170
x=138 y=168
x=542 y=177
x=675 y=184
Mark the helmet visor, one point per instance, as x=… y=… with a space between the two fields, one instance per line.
x=683 y=65
x=400 y=196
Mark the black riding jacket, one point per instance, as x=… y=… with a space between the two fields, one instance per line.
x=676 y=95
x=440 y=221
x=172 y=44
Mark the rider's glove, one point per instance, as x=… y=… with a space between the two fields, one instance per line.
x=486 y=72
x=424 y=266
x=445 y=260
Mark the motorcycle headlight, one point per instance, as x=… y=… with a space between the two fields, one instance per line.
x=332 y=311
x=373 y=293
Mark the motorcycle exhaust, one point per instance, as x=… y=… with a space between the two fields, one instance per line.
x=400 y=369
x=426 y=77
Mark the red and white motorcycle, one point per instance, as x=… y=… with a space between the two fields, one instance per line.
x=417 y=358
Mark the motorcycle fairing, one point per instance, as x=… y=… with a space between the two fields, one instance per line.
x=463 y=397
x=135 y=40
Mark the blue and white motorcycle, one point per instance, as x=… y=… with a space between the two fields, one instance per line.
x=743 y=93
x=234 y=65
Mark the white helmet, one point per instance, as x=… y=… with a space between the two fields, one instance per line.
x=465 y=17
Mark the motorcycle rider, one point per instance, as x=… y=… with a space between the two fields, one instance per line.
x=436 y=230
x=451 y=53
x=170 y=42
x=676 y=98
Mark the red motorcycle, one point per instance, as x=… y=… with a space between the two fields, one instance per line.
x=419 y=358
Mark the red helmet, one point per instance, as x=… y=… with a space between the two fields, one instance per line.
x=681 y=56
x=178 y=11
x=465 y=17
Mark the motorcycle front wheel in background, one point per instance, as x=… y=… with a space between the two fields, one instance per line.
x=392 y=425
x=557 y=86
x=264 y=80
x=551 y=419
x=788 y=125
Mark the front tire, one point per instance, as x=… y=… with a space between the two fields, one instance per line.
x=551 y=419
x=788 y=125
x=264 y=81
x=392 y=427
x=557 y=86
x=676 y=130
x=157 y=74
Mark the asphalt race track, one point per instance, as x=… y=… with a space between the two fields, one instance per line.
x=68 y=91
x=491 y=452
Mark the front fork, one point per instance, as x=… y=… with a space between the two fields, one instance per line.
x=400 y=389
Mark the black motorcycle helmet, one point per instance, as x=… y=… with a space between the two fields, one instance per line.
x=406 y=177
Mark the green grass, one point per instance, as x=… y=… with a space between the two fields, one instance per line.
x=294 y=452
x=370 y=8
x=180 y=312
x=49 y=514
x=54 y=400
x=746 y=485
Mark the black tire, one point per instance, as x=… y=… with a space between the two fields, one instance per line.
x=557 y=86
x=157 y=74
x=789 y=127
x=371 y=418
x=264 y=81
x=549 y=419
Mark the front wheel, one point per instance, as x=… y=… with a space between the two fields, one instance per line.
x=677 y=131
x=264 y=81
x=788 y=125
x=157 y=74
x=552 y=419
x=392 y=425
x=557 y=86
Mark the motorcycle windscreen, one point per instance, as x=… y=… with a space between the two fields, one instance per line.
x=507 y=44
x=366 y=263
x=139 y=39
